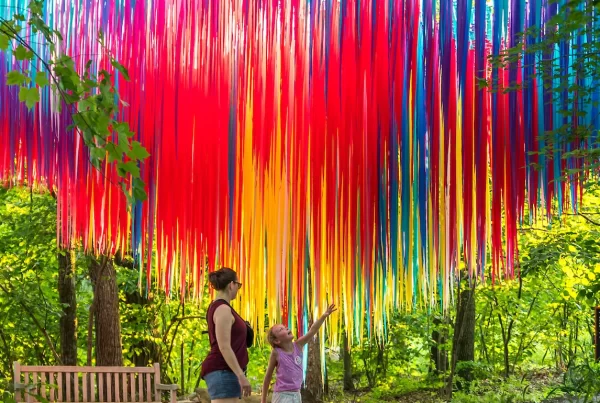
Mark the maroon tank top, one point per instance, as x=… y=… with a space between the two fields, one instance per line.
x=215 y=360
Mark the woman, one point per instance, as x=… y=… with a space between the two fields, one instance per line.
x=225 y=366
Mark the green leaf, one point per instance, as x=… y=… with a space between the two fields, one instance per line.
x=30 y=96
x=95 y=163
x=101 y=125
x=113 y=153
x=138 y=151
x=120 y=127
x=4 y=42
x=120 y=68
x=139 y=194
x=87 y=103
x=89 y=84
x=123 y=145
x=66 y=74
x=100 y=141
x=22 y=53
x=36 y=7
x=98 y=153
x=87 y=137
x=41 y=79
x=16 y=78
x=123 y=168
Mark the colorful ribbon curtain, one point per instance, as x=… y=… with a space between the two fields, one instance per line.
x=329 y=151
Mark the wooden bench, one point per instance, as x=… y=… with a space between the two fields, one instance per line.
x=90 y=384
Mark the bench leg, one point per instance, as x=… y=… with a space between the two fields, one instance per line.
x=173 y=398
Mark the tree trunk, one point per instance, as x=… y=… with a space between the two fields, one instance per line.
x=312 y=392
x=464 y=331
x=439 y=355
x=67 y=297
x=144 y=352
x=109 y=351
x=348 y=384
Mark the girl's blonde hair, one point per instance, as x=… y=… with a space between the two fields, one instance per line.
x=271 y=338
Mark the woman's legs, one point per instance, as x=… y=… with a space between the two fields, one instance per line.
x=223 y=387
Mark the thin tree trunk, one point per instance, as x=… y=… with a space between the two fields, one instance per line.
x=463 y=342
x=313 y=389
x=109 y=351
x=465 y=331
x=90 y=334
x=439 y=355
x=144 y=352
x=348 y=384
x=312 y=392
x=68 y=321
x=67 y=297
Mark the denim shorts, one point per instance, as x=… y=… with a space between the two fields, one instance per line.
x=222 y=385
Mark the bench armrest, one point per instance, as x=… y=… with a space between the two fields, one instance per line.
x=162 y=386
x=172 y=391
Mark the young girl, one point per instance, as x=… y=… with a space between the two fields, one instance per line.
x=287 y=357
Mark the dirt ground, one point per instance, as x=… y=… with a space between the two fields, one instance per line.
x=201 y=396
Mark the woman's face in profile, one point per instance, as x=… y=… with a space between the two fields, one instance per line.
x=234 y=288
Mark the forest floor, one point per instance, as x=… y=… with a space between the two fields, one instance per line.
x=535 y=387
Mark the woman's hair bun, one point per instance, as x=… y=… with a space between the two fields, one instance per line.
x=220 y=279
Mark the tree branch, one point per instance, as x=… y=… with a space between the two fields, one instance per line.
x=588 y=219
x=38 y=325
x=6 y=349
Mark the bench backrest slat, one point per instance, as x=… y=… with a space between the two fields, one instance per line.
x=76 y=388
x=132 y=384
x=84 y=384
x=25 y=380
x=69 y=385
x=43 y=382
x=51 y=383
x=148 y=388
x=34 y=381
x=117 y=388
x=92 y=387
x=109 y=383
x=101 y=387
x=141 y=388
x=59 y=382
x=125 y=385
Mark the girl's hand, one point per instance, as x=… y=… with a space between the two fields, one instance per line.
x=331 y=309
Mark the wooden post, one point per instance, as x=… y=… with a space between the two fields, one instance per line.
x=17 y=380
x=157 y=392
